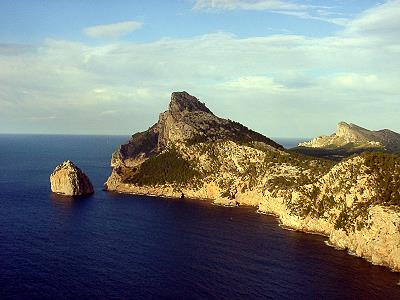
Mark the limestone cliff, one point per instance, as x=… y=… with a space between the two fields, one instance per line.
x=67 y=179
x=186 y=121
x=351 y=136
x=202 y=156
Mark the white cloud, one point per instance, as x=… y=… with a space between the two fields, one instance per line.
x=247 y=5
x=285 y=7
x=44 y=118
x=320 y=16
x=112 y=30
x=356 y=80
x=15 y=49
x=381 y=22
x=109 y=112
x=280 y=84
x=254 y=83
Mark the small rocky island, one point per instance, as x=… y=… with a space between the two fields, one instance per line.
x=67 y=179
x=354 y=202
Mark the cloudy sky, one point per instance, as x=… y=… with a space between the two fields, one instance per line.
x=286 y=68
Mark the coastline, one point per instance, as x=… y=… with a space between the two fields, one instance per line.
x=193 y=153
x=366 y=243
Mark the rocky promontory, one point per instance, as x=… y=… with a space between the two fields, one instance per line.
x=353 y=137
x=192 y=152
x=67 y=179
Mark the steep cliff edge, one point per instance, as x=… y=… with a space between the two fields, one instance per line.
x=356 y=204
x=351 y=136
x=186 y=121
x=191 y=151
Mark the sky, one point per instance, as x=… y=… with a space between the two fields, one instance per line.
x=285 y=68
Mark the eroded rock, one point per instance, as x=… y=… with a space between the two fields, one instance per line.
x=352 y=136
x=356 y=203
x=67 y=179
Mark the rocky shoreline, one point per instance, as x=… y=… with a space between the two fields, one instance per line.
x=190 y=151
x=374 y=244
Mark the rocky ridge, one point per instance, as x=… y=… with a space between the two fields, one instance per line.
x=186 y=121
x=355 y=202
x=67 y=179
x=351 y=136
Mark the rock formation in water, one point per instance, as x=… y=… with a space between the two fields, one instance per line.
x=353 y=137
x=67 y=179
x=191 y=151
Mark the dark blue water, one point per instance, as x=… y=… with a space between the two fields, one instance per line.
x=118 y=246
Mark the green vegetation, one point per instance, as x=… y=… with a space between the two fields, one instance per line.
x=306 y=169
x=317 y=205
x=319 y=165
x=333 y=153
x=343 y=221
x=170 y=167
x=167 y=167
x=316 y=168
x=228 y=130
x=355 y=217
x=311 y=204
x=386 y=168
x=385 y=174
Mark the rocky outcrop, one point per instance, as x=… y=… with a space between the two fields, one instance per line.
x=67 y=179
x=351 y=205
x=351 y=136
x=186 y=121
x=230 y=165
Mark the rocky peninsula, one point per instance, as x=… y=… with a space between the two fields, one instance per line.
x=190 y=151
x=351 y=136
x=67 y=179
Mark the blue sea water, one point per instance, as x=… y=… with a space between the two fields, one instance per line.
x=111 y=246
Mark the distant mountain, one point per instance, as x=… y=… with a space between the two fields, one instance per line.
x=353 y=137
x=192 y=153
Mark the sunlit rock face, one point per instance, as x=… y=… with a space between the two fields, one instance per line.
x=67 y=179
x=192 y=152
x=187 y=121
x=351 y=136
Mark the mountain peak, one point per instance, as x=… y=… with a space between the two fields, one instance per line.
x=183 y=101
x=352 y=132
x=187 y=122
x=352 y=136
x=342 y=127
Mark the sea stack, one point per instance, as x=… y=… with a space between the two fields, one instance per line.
x=67 y=179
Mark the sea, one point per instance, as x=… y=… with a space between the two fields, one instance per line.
x=114 y=246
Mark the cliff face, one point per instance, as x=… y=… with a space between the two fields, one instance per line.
x=186 y=121
x=351 y=136
x=206 y=157
x=67 y=179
